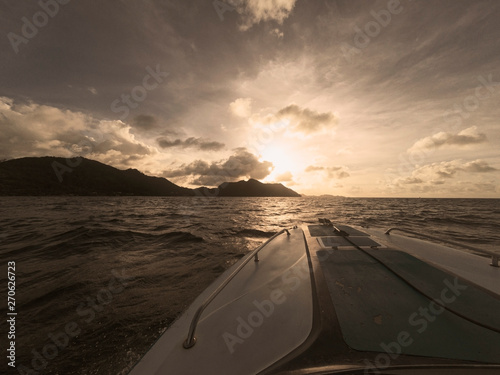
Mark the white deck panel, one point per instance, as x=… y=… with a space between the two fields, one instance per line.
x=463 y=264
x=280 y=282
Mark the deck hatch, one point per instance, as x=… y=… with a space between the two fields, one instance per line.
x=374 y=307
x=338 y=241
x=328 y=230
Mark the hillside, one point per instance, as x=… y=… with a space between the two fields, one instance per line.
x=55 y=176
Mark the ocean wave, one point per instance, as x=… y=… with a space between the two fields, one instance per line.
x=162 y=227
x=59 y=207
x=87 y=240
x=189 y=214
x=466 y=222
x=180 y=236
x=59 y=292
x=254 y=233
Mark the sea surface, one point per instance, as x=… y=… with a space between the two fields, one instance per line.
x=98 y=279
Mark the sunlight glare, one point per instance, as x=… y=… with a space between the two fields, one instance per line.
x=282 y=156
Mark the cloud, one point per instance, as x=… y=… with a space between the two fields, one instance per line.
x=449 y=169
x=305 y=120
x=278 y=33
x=438 y=182
x=30 y=129
x=241 y=107
x=439 y=173
x=297 y=119
x=312 y=168
x=200 y=143
x=445 y=169
x=478 y=166
x=284 y=177
x=409 y=180
x=332 y=172
x=465 y=137
x=144 y=122
x=242 y=164
x=256 y=11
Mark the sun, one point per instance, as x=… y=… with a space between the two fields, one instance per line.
x=284 y=159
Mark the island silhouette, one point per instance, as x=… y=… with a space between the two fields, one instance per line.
x=48 y=175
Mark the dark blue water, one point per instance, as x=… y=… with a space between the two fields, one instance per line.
x=99 y=279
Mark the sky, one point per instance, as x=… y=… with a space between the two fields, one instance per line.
x=343 y=97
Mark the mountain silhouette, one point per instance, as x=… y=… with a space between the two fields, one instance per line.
x=250 y=188
x=49 y=175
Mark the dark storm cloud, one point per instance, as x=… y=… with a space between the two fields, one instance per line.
x=193 y=142
x=109 y=45
x=242 y=164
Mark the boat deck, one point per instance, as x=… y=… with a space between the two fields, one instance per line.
x=322 y=299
